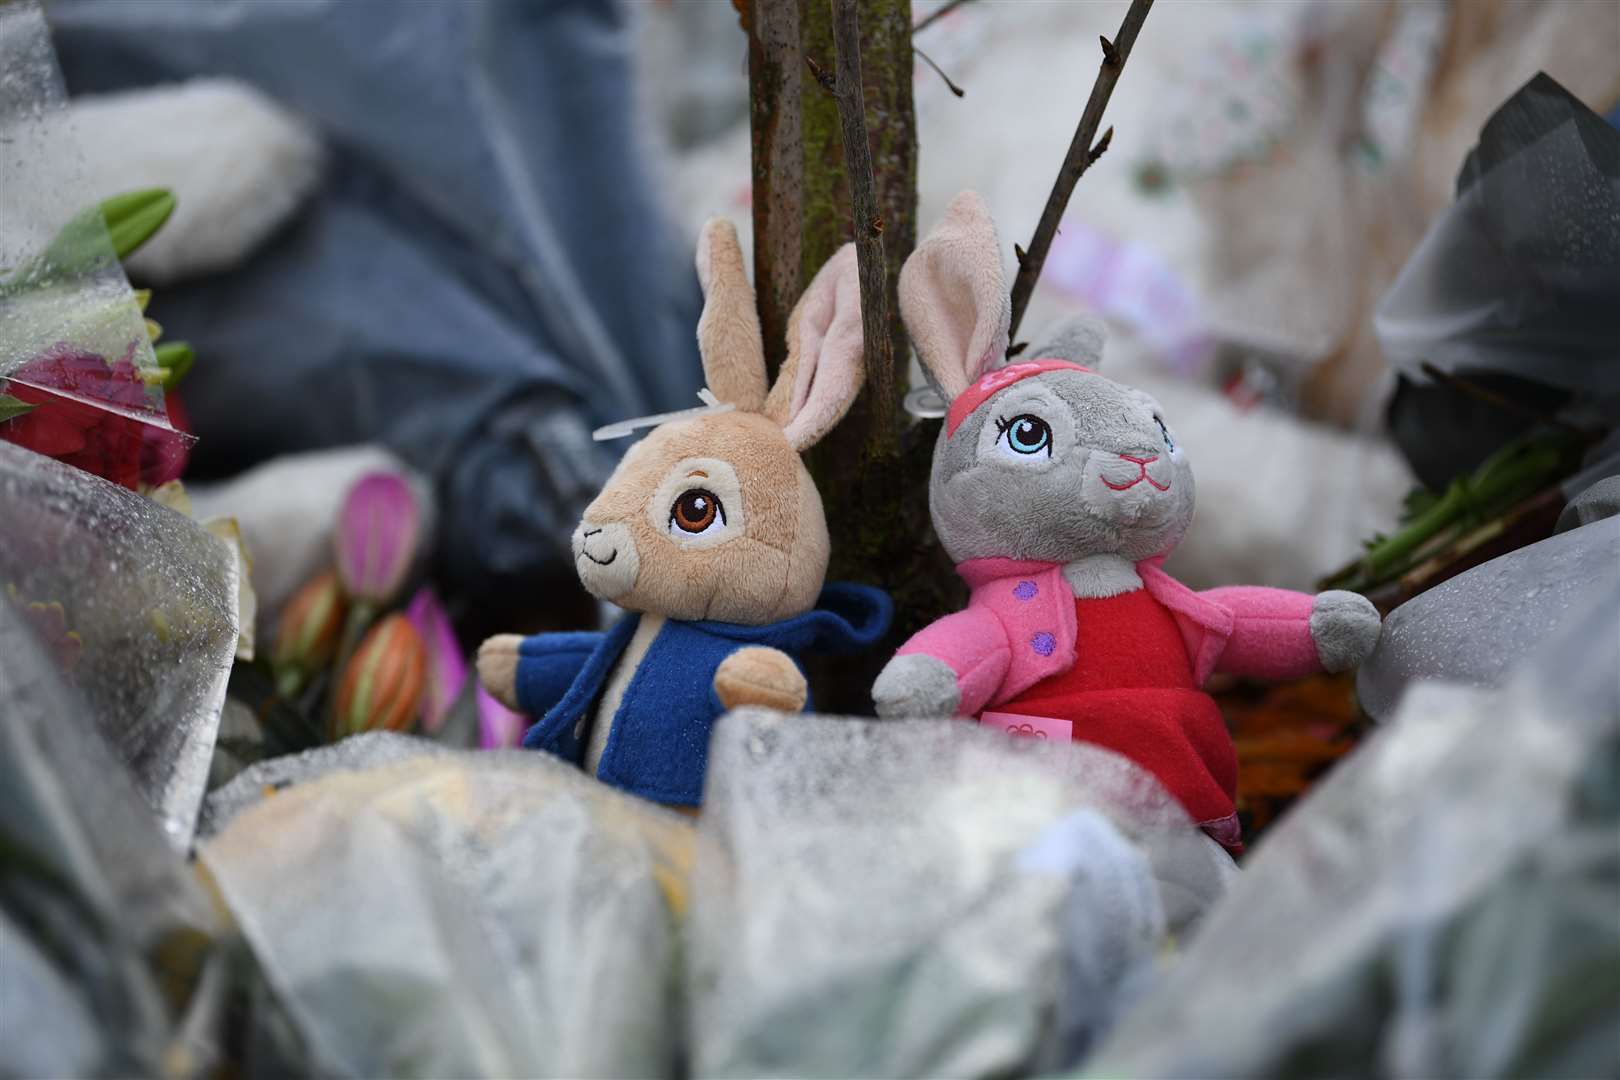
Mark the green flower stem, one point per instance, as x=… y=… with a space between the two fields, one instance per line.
x=1452 y=505
x=174 y=360
x=362 y=613
x=1512 y=473
x=290 y=680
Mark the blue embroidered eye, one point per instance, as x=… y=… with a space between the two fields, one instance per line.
x=1169 y=443
x=1026 y=434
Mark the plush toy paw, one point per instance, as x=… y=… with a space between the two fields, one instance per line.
x=760 y=676
x=497 y=668
x=916 y=685
x=1344 y=626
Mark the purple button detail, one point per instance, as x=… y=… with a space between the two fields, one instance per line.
x=1025 y=590
x=1043 y=643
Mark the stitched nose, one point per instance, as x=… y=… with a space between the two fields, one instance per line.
x=583 y=547
x=1141 y=461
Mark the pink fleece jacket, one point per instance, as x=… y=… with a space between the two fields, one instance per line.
x=1018 y=629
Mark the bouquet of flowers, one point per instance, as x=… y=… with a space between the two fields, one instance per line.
x=82 y=376
x=366 y=645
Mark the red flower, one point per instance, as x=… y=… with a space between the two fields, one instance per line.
x=115 y=442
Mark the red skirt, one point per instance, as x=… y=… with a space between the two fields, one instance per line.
x=1131 y=691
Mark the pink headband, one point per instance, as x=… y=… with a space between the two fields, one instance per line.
x=997 y=380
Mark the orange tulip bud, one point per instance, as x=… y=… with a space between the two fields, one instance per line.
x=382 y=686
x=307 y=638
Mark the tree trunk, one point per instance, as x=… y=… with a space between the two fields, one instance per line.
x=873 y=468
x=774 y=85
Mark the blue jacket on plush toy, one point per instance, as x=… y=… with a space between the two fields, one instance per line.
x=712 y=527
x=658 y=745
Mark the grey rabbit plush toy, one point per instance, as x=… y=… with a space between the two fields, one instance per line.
x=1058 y=493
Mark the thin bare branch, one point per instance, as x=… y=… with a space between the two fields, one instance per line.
x=1080 y=156
x=1102 y=146
x=821 y=75
x=863 y=194
x=929 y=60
x=936 y=16
x=1501 y=401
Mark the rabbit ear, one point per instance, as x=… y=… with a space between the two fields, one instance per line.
x=1079 y=338
x=953 y=297
x=728 y=331
x=825 y=361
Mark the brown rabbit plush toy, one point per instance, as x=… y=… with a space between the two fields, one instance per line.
x=711 y=535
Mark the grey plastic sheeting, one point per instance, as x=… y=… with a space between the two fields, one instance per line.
x=1519 y=275
x=1477 y=626
x=484 y=275
x=152 y=599
x=1513 y=286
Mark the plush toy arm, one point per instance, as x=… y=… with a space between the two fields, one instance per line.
x=531 y=674
x=951 y=667
x=1345 y=627
x=758 y=675
x=1271 y=632
x=497 y=667
x=916 y=685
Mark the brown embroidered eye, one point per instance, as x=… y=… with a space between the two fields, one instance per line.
x=696 y=512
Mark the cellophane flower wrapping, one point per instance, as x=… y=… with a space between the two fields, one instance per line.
x=1443 y=904
x=139 y=606
x=73 y=340
x=107 y=940
x=925 y=898
x=427 y=912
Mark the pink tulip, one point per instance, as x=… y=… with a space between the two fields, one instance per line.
x=447 y=670
x=498 y=726
x=378 y=537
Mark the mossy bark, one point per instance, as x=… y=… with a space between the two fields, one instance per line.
x=774 y=66
x=873 y=469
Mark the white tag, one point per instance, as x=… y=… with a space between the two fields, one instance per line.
x=712 y=406
x=925 y=403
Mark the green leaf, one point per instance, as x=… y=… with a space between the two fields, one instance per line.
x=11 y=408
x=176 y=358
x=133 y=217
x=72 y=251
x=126 y=221
x=1417 y=502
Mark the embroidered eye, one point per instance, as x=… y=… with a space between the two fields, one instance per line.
x=1025 y=434
x=696 y=512
x=1169 y=443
